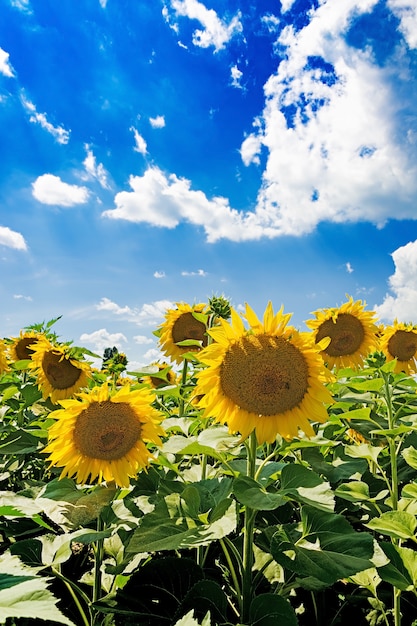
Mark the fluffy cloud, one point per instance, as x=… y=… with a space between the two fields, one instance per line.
x=94 y=170
x=5 y=67
x=214 y=32
x=402 y=303
x=142 y=340
x=331 y=108
x=236 y=75
x=140 y=143
x=148 y=315
x=58 y=132
x=12 y=239
x=406 y=11
x=157 y=122
x=336 y=135
x=101 y=339
x=50 y=189
x=165 y=201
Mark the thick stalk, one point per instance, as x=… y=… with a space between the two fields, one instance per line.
x=249 y=524
x=183 y=382
x=394 y=486
x=98 y=559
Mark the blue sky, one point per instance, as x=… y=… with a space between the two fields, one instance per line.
x=166 y=151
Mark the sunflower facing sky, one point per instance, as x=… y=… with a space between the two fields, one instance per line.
x=352 y=332
x=59 y=375
x=21 y=347
x=181 y=325
x=268 y=378
x=103 y=435
x=399 y=342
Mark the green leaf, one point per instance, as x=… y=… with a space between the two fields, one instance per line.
x=269 y=609
x=396 y=524
x=363 y=451
x=28 y=597
x=252 y=494
x=396 y=572
x=324 y=548
x=410 y=456
x=364 y=413
x=373 y=384
x=304 y=485
x=355 y=491
x=167 y=528
x=19 y=442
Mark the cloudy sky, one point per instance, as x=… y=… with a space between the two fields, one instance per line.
x=165 y=151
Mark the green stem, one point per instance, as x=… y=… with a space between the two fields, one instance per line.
x=70 y=586
x=231 y=569
x=394 y=486
x=98 y=559
x=183 y=382
x=249 y=524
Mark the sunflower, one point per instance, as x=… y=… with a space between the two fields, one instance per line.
x=102 y=435
x=59 y=375
x=352 y=332
x=182 y=325
x=4 y=365
x=399 y=342
x=268 y=378
x=21 y=348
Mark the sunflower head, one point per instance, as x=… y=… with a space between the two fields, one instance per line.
x=59 y=374
x=21 y=348
x=4 y=365
x=103 y=435
x=399 y=342
x=352 y=332
x=268 y=378
x=182 y=325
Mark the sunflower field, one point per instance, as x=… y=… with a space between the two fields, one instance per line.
x=257 y=476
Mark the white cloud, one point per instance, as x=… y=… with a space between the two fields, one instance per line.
x=140 y=143
x=251 y=149
x=271 y=22
x=166 y=201
x=197 y=273
x=22 y=5
x=12 y=239
x=50 y=189
x=19 y=296
x=58 y=132
x=157 y=122
x=214 y=32
x=103 y=3
x=147 y=315
x=106 y=304
x=406 y=11
x=5 y=67
x=101 y=339
x=159 y=274
x=93 y=170
x=286 y=5
x=338 y=137
x=142 y=340
x=347 y=153
x=236 y=75
x=349 y=268
x=402 y=303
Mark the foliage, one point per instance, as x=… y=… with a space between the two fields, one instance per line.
x=219 y=531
